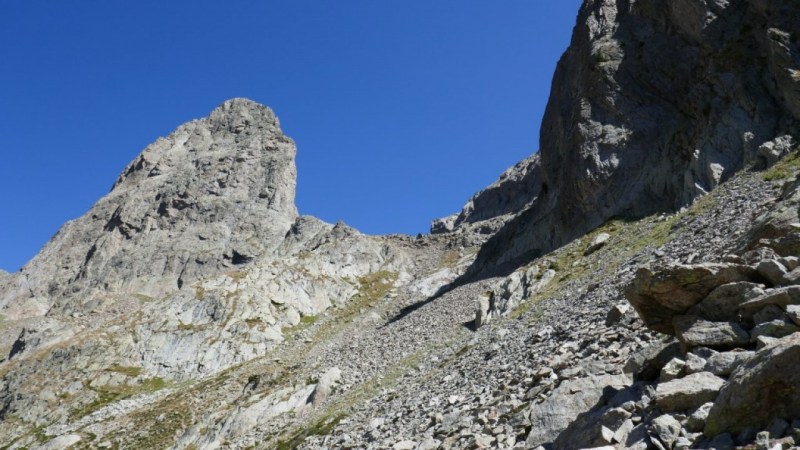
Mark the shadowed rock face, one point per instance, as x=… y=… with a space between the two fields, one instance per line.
x=654 y=104
x=216 y=193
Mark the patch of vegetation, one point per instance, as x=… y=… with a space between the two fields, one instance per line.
x=39 y=434
x=144 y=298
x=107 y=395
x=189 y=327
x=702 y=205
x=254 y=322
x=343 y=406
x=373 y=287
x=450 y=258
x=785 y=168
x=199 y=292
x=321 y=427
x=156 y=426
x=125 y=370
x=237 y=275
x=461 y=352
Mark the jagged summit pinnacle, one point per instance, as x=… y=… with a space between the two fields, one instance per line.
x=239 y=113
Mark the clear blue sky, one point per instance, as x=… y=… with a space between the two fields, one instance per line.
x=401 y=110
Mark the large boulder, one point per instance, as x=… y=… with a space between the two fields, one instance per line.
x=693 y=331
x=660 y=295
x=567 y=401
x=761 y=390
x=688 y=393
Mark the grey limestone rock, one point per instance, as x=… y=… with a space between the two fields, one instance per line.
x=616 y=313
x=666 y=428
x=693 y=331
x=646 y=364
x=512 y=291
x=782 y=297
x=689 y=392
x=567 y=401
x=763 y=389
x=597 y=243
x=772 y=151
x=672 y=370
x=773 y=271
x=793 y=311
x=697 y=420
x=776 y=328
x=779 y=228
x=660 y=295
x=722 y=303
x=725 y=363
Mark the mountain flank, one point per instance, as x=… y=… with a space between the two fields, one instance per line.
x=634 y=284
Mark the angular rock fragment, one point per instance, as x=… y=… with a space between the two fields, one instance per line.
x=723 y=364
x=567 y=401
x=672 y=370
x=777 y=328
x=597 y=243
x=646 y=364
x=688 y=392
x=616 y=313
x=781 y=297
x=693 y=331
x=793 y=311
x=773 y=271
x=666 y=428
x=722 y=303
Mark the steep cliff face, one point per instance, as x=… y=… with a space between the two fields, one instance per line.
x=654 y=104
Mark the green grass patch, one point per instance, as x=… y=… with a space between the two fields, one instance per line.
x=125 y=370
x=237 y=275
x=344 y=406
x=189 y=326
x=321 y=427
x=787 y=167
x=107 y=395
x=144 y=298
x=253 y=322
x=371 y=289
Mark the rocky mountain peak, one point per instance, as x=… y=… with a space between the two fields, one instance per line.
x=218 y=191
